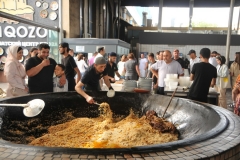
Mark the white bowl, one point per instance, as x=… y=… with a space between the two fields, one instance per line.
x=173 y=83
x=171 y=76
x=117 y=87
x=172 y=87
x=169 y=80
x=184 y=81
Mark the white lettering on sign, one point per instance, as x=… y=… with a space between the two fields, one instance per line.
x=32 y=29
x=26 y=44
x=23 y=32
x=38 y=32
x=9 y=31
x=10 y=43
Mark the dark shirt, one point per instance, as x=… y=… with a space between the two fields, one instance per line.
x=91 y=78
x=70 y=64
x=151 y=74
x=186 y=63
x=154 y=77
x=111 y=69
x=181 y=61
x=43 y=81
x=203 y=75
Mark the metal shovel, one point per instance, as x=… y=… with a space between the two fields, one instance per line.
x=31 y=109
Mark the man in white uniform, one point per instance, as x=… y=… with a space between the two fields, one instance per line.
x=143 y=65
x=163 y=67
x=193 y=58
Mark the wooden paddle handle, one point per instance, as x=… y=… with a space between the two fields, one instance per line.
x=169 y=102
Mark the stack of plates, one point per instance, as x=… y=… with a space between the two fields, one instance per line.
x=129 y=85
x=145 y=84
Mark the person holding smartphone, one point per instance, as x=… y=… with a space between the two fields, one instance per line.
x=40 y=71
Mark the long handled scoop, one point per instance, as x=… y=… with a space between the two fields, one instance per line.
x=169 y=102
x=31 y=109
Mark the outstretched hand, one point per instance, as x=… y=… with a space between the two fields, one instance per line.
x=90 y=100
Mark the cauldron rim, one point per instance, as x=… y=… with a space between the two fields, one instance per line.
x=222 y=125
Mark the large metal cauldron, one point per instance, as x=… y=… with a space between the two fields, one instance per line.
x=195 y=121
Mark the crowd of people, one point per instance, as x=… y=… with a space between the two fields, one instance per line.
x=82 y=74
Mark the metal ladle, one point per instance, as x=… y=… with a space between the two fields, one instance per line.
x=31 y=109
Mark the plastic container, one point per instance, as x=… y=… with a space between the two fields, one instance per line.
x=184 y=81
x=170 y=80
x=117 y=87
x=170 y=76
x=173 y=85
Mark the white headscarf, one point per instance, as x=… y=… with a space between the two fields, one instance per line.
x=12 y=57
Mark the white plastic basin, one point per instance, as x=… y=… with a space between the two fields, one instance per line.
x=173 y=85
x=171 y=76
x=184 y=81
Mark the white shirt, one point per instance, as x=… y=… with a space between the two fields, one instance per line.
x=142 y=63
x=212 y=61
x=222 y=72
x=163 y=69
x=120 y=66
x=75 y=58
x=98 y=55
x=82 y=65
x=57 y=87
x=193 y=61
